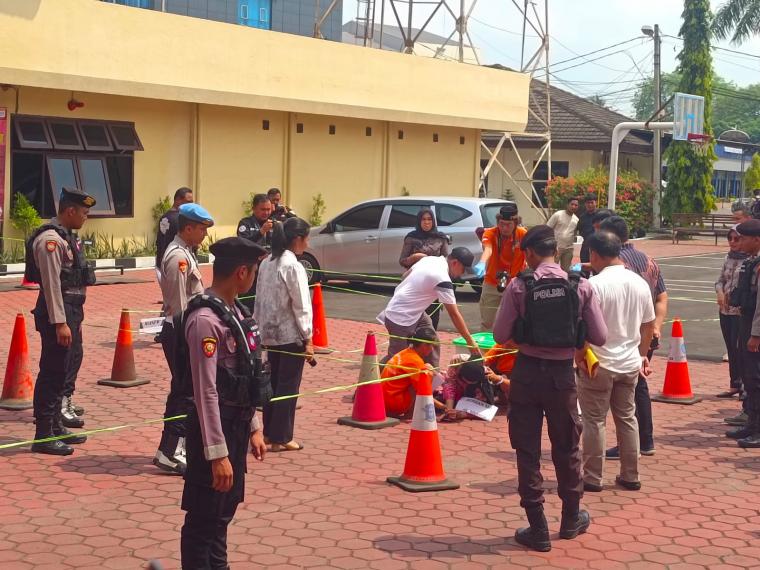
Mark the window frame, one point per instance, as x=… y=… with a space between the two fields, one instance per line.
x=95 y=148
x=80 y=184
x=115 y=139
x=104 y=166
x=355 y=210
x=49 y=122
x=466 y=214
x=31 y=145
x=53 y=156
x=419 y=205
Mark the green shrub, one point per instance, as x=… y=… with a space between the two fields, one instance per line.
x=634 y=194
x=24 y=216
x=162 y=206
x=318 y=209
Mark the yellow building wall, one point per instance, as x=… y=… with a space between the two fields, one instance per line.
x=91 y=46
x=237 y=157
x=164 y=127
x=345 y=168
x=424 y=167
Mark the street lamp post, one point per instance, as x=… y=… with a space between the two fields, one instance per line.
x=654 y=33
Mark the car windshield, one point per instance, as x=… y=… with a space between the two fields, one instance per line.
x=489 y=212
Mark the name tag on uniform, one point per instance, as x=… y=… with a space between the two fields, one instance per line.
x=151 y=326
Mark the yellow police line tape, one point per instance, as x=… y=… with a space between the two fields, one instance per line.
x=275 y=399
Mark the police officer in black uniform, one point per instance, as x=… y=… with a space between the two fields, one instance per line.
x=257 y=228
x=280 y=212
x=220 y=357
x=549 y=314
x=745 y=296
x=55 y=259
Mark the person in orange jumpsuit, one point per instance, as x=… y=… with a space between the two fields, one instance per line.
x=399 y=393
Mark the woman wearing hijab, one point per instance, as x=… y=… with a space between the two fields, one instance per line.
x=425 y=240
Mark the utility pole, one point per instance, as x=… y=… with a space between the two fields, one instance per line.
x=657 y=147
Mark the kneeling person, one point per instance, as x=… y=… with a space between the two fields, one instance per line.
x=219 y=354
x=399 y=393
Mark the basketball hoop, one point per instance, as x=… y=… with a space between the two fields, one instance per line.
x=701 y=143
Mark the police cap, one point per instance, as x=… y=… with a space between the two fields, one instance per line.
x=508 y=211
x=750 y=228
x=77 y=196
x=237 y=248
x=196 y=213
x=536 y=235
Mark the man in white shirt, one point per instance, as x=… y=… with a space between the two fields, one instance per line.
x=628 y=311
x=565 y=224
x=427 y=281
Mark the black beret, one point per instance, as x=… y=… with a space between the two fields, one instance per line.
x=77 y=196
x=601 y=215
x=237 y=248
x=750 y=228
x=508 y=211
x=536 y=235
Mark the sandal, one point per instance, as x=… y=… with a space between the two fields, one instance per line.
x=279 y=447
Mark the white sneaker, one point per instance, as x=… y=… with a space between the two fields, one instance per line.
x=166 y=464
x=180 y=455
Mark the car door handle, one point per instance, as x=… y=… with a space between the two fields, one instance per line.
x=369 y=239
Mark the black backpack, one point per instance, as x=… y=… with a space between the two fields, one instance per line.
x=741 y=296
x=551 y=312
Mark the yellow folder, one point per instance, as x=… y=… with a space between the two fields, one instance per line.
x=592 y=362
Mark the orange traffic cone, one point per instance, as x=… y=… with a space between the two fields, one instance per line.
x=369 y=405
x=28 y=284
x=423 y=470
x=18 y=386
x=123 y=373
x=319 y=322
x=677 y=386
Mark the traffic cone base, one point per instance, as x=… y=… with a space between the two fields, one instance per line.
x=418 y=487
x=124 y=384
x=351 y=422
x=672 y=400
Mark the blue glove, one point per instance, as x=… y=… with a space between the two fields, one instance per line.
x=479 y=269
x=576 y=267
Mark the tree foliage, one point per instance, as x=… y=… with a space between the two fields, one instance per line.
x=739 y=19
x=689 y=186
x=752 y=176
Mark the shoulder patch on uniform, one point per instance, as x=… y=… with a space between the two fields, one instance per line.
x=182 y=265
x=50 y=245
x=242 y=229
x=209 y=346
x=163 y=225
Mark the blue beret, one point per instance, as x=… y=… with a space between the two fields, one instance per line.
x=196 y=213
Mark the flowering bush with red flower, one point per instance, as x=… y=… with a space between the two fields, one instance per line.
x=634 y=194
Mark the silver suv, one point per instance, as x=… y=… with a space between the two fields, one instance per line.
x=364 y=242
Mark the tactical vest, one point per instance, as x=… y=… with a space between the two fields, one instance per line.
x=744 y=295
x=247 y=386
x=78 y=275
x=551 y=312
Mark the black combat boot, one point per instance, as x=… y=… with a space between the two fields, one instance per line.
x=574 y=523
x=739 y=432
x=752 y=441
x=72 y=438
x=45 y=430
x=536 y=536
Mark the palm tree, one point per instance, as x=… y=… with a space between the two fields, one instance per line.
x=739 y=19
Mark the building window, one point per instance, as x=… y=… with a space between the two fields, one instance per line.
x=332 y=129
x=265 y=124
x=368 y=131
x=401 y=135
x=461 y=140
x=539 y=179
x=48 y=153
x=299 y=128
x=435 y=137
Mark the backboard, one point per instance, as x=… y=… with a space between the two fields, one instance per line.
x=688 y=116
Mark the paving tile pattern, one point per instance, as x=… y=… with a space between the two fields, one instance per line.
x=328 y=506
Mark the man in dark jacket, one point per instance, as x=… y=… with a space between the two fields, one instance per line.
x=167 y=225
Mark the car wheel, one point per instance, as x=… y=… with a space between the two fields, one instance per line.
x=310 y=264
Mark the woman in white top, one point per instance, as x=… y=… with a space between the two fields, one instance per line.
x=283 y=312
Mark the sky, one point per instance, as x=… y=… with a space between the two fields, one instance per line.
x=581 y=26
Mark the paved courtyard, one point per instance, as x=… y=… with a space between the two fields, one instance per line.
x=328 y=506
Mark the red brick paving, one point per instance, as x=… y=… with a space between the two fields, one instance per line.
x=328 y=506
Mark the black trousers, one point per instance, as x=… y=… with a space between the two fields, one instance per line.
x=287 y=371
x=750 y=375
x=177 y=401
x=539 y=388
x=59 y=365
x=644 y=405
x=203 y=542
x=729 y=326
x=585 y=253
